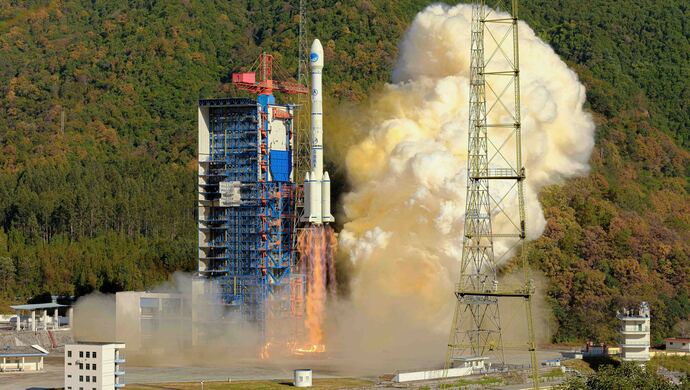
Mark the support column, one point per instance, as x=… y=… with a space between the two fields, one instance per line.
x=44 y=319
x=19 y=320
x=56 y=319
x=33 y=320
x=4 y=365
x=70 y=317
x=22 y=367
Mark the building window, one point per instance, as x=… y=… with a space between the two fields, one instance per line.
x=69 y=353
x=93 y=379
x=88 y=366
x=81 y=354
x=88 y=378
x=94 y=354
x=93 y=366
x=81 y=378
x=81 y=366
x=69 y=376
x=88 y=354
x=69 y=364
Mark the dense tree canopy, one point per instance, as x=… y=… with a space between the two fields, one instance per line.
x=98 y=139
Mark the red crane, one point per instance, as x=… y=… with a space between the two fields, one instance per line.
x=266 y=85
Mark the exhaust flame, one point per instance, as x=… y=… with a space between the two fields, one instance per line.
x=317 y=246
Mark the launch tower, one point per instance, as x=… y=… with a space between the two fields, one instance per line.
x=246 y=202
x=495 y=203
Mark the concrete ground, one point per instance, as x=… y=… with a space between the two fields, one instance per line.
x=53 y=375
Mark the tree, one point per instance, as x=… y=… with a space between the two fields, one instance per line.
x=628 y=375
x=7 y=274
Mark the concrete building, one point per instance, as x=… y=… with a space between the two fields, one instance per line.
x=41 y=316
x=14 y=358
x=635 y=333
x=463 y=367
x=595 y=350
x=94 y=366
x=678 y=345
x=144 y=318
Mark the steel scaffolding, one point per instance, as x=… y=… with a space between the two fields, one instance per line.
x=495 y=202
x=245 y=247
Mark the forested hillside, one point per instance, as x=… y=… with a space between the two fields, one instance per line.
x=105 y=199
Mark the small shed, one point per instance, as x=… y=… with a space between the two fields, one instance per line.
x=678 y=345
x=22 y=358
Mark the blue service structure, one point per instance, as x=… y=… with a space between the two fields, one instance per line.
x=246 y=208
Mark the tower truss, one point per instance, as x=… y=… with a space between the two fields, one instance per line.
x=302 y=148
x=495 y=212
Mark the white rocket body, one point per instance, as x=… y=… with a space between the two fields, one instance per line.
x=317 y=184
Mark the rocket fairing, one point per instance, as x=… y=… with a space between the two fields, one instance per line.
x=317 y=184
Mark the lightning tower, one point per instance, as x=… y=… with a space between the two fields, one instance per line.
x=495 y=203
x=302 y=149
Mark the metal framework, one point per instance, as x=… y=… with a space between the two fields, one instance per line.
x=245 y=247
x=301 y=162
x=302 y=142
x=495 y=202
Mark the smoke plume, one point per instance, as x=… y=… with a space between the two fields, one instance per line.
x=408 y=175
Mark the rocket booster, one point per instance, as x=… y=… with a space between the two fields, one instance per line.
x=317 y=184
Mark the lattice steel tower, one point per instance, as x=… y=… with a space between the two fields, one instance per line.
x=495 y=213
x=302 y=140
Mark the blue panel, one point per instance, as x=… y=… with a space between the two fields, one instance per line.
x=265 y=100
x=280 y=165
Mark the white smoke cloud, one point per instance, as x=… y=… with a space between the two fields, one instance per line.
x=406 y=209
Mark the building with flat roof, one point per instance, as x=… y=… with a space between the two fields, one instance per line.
x=24 y=358
x=678 y=344
x=41 y=316
x=143 y=318
x=635 y=340
x=94 y=366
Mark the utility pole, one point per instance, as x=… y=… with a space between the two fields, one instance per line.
x=495 y=201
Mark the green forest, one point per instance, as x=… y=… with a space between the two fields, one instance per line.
x=98 y=139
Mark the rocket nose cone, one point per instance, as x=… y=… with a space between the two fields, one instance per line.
x=316 y=55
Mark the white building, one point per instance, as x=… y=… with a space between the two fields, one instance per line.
x=462 y=367
x=635 y=333
x=678 y=345
x=148 y=320
x=13 y=358
x=94 y=366
x=41 y=316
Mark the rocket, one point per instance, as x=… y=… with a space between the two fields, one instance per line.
x=317 y=184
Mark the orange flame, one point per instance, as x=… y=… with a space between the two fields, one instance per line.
x=264 y=354
x=317 y=246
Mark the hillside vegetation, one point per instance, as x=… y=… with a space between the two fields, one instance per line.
x=106 y=202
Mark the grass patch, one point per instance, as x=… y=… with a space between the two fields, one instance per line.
x=579 y=365
x=483 y=381
x=554 y=373
x=671 y=363
x=321 y=384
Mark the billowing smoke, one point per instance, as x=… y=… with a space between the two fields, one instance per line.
x=408 y=174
